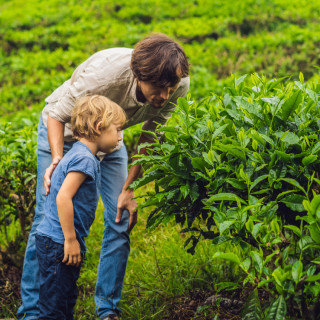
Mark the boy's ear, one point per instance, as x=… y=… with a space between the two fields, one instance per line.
x=98 y=127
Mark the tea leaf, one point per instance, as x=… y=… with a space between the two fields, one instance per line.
x=291 y=104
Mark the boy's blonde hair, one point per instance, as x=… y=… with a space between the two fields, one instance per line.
x=89 y=111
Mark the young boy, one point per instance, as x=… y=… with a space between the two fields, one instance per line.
x=71 y=204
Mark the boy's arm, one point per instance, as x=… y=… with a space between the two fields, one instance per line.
x=70 y=185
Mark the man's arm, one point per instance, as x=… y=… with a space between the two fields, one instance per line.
x=125 y=200
x=55 y=131
x=71 y=184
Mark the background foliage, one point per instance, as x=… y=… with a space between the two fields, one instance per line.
x=41 y=42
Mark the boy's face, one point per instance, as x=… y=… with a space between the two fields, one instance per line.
x=109 y=138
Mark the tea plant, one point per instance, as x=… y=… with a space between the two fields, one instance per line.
x=17 y=189
x=243 y=168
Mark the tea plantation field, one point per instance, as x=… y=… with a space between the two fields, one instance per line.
x=235 y=182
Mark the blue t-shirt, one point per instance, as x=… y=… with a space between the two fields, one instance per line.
x=85 y=201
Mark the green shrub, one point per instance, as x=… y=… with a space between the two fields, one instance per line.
x=242 y=168
x=17 y=189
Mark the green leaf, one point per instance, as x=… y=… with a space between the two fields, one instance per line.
x=169 y=129
x=199 y=163
x=297 y=271
x=31 y=176
x=274 y=101
x=236 y=183
x=226 y=197
x=301 y=77
x=256 y=136
x=274 y=82
x=256 y=229
x=225 y=225
x=256 y=181
x=268 y=139
x=226 y=286
x=294 y=202
x=150 y=132
x=291 y=138
x=315 y=206
x=314 y=232
x=304 y=242
x=183 y=104
x=294 y=183
x=313 y=278
x=316 y=148
x=240 y=80
x=219 y=131
x=252 y=308
x=245 y=264
x=194 y=194
x=309 y=159
x=227 y=256
x=313 y=95
x=185 y=190
x=233 y=150
x=280 y=276
x=257 y=261
x=291 y=105
x=151 y=176
x=234 y=114
x=220 y=239
x=317 y=260
x=295 y=230
x=277 y=310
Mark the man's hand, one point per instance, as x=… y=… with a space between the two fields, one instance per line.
x=126 y=201
x=72 y=253
x=48 y=174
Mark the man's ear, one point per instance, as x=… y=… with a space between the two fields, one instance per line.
x=98 y=127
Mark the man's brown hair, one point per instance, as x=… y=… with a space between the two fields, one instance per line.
x=159 y=60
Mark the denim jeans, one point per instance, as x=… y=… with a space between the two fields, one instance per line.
x=115 y=245
x=58 y=290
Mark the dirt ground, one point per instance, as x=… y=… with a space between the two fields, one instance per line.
x=197 y=304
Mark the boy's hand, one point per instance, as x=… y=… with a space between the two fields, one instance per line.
x=48 y=174
x=72 y=253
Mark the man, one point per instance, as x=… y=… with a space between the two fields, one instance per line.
x=146 y=82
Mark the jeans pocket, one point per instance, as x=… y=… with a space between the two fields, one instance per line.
x=59 y=252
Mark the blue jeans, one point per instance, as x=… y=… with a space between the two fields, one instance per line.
x=115 y=245
x=58 y=289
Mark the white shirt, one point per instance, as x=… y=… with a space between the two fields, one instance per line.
x=108 y=73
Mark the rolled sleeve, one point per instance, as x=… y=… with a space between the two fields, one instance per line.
x=84 y=164
x=165 y=112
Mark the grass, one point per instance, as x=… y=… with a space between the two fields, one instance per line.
x=159 y=270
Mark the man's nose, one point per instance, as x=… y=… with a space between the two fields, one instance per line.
x=164 y=94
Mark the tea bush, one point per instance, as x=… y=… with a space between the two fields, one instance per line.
x=243 y=168
x=17 y=189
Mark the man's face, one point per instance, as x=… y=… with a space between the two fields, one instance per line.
x=156 y=96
